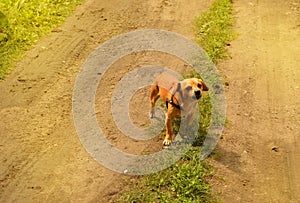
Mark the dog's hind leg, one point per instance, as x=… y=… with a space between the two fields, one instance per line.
x=154 y=95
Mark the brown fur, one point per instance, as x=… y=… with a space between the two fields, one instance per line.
x=184 y=94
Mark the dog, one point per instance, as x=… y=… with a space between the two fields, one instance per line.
x=180 y=97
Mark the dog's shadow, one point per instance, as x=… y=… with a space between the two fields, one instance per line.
x=229 y=159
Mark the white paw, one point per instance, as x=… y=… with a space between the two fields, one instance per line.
x=167 y=142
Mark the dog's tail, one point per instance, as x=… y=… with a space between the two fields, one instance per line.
x=156 y=85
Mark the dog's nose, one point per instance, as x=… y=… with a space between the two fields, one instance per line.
x=197 y=94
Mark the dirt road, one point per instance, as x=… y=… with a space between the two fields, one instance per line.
x=43 y=160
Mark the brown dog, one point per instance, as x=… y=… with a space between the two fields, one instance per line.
x=181 y=98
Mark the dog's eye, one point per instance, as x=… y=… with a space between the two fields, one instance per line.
x=188 y=88
x=199 y=85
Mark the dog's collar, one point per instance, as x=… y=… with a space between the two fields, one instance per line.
x=171 y=101
x=173 y=104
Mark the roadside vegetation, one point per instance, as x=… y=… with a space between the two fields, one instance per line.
x=23 y=22
x=188 y=179
x=214 y=30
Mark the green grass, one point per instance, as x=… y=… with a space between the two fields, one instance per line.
x=187 y=180
x=214 y=30
x=23 y=22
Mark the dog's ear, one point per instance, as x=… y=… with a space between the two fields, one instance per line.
x=175 y=87
x=205 y=88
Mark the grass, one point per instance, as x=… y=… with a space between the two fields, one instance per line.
x=187 y=180
x=23 y=22
x=214 y=30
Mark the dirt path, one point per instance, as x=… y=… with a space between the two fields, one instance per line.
x=260 y=153
x=43 y=160
x=41 y=157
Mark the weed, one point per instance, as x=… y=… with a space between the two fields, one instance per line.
x=22 y=23
x=185 y=181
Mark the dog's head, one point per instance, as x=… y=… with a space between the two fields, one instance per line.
x=192 y=88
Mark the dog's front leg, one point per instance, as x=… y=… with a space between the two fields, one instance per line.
x=168 y=139
x=190 y=118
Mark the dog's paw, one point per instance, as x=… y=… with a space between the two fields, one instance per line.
x=151 y=115
x=167 y=142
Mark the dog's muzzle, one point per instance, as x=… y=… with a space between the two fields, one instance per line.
x=198 y=94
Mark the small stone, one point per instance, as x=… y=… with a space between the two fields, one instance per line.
x=275 y=149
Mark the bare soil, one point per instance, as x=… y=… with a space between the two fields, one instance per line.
x=42 y=159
